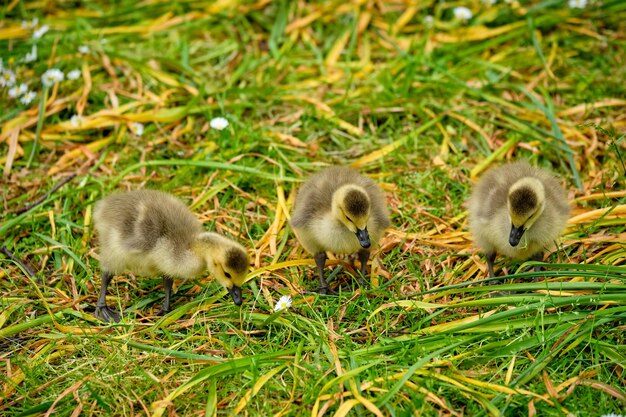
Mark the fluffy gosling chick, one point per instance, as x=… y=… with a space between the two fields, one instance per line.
x=517 y=203
x=149 y=232
x=341 y=211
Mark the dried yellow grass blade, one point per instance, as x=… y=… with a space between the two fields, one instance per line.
x=485 y=385
x=280 y=265
x=9 y=125
x=15 y=32
x=256 y=388
x=370 y=406
x=476 y=33
x=345 y=408
x=169 y=80
x=586 y=107
x=439 y=328
x=385 y=150
x=356 y=131
x=499 y=153
x=13 y=145
x=593 y=215
x=337 y=49
x=303 y=21
x=472 y=126
x=69 y=157
x=404 y=19
x=378 y=154
x=82 y=101
x=509 y=371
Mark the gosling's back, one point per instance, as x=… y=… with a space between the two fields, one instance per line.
x=147 y=232
x=488 y=211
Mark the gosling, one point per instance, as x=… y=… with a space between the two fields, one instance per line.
x=517 y=203
x=149 y=232
x=341 y=211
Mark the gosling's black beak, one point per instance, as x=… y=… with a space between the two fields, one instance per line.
x=364 y=237
x=516 y=235
x=235 y=292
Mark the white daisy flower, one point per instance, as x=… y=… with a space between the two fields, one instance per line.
x=462 y=13
x=7 y=78
x=83 y=49
x=577 y=4
x=52 y=76
x=18 y=90
x=32 y=55
x=74 y=74
x=219 y=123
x=283 y=303
x=37 y=34
x=76 y=120
x=136 y=128
x=428 y=21
x=29 y=25
x=28 y=97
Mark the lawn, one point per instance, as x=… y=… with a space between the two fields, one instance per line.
x=420 y=96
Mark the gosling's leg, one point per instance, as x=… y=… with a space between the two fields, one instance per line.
x=320 y=261
x=491 y=258
x=167 y=285
x=364 y=256
x=537 y=257
x=103 y=312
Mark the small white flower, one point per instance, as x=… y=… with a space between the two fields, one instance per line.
x=428 y=21
x=17 y=91
x=219 y=123
x=7 y=79
x=577 y=4
x=136 y=128
x=83 y=49
x=32 y=55
x=28 y=97
x=52 y=76
x=76 y=120
x=283 y=303
x=40 y=32
x=73 y=75
x=462 y=13
x=29 y=25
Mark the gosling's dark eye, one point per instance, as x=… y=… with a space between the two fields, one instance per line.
x=227 y=274
x=349 y=219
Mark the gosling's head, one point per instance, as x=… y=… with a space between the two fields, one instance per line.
x=526 y=202
x=227 y=261
x=351 y=206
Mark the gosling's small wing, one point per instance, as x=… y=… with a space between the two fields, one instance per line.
x=314 y=198
x=490 y=193
x=142 y=218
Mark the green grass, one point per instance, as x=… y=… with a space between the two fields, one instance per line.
x=423 y=111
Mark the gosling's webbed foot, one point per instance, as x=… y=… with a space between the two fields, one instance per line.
x=363 y=283
x=163 y=311
x=107 y=314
